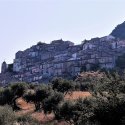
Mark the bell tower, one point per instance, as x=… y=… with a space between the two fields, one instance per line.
x=4 y=67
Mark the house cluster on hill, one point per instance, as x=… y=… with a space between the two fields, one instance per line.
x=42 y=62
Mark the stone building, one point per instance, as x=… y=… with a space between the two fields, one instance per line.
x=4 y=67
x=42 y=62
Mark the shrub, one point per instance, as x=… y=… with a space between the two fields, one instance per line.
x=65 y=111
x=51 y=103
x=18 y=89
x=27 y=120
x=6 y=96
x=62 y=85
x=9 y=94
x=78 y=112
x=40 y=94
x=7 y=116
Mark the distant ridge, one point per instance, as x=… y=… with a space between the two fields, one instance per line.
x=119 y=31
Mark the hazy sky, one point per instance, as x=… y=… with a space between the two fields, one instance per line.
x=25 y=22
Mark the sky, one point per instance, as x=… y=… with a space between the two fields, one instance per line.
x=23 y=23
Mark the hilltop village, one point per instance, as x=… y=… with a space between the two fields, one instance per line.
x=42 y=62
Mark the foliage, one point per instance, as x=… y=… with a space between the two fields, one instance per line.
x=62 y=85
x=119 y=31
x=9 y=94
x=26 y=120
x=6 y=96
x=76 y=113
x=41 y=93
x=65 y=111
x=109 y=112
x=18 y=89
x=106 y=106
x=7 y=116
x=51 y=103
x=86 y=80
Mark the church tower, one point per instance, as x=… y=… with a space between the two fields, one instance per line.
x=4 y=67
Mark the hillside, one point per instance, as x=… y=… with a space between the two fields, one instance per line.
x=119 y=31
x=42 y=62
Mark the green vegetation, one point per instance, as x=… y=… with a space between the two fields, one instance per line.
x=27 y=120
x=9 y=94
x=119 y=31
x=62 y=85
x=7 y=116
x=105 y=106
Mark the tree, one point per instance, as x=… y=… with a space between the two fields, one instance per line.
x=105 y=107
x=51 y=103
x=6 y=96
x=65 y=111
x=62 y=85
x=40 y=94
x=110 y=103
x=9 y=94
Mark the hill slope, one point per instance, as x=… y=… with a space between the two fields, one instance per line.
x=119 y=31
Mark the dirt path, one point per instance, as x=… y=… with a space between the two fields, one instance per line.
x=76 y=95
